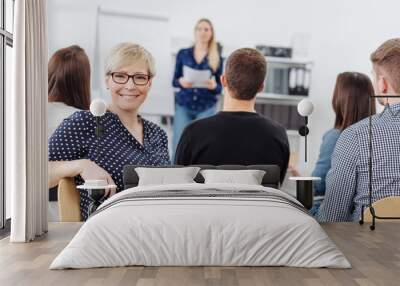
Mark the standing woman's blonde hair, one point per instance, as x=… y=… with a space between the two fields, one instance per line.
x=213 y=54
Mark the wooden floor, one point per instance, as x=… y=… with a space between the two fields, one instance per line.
x=375 y=256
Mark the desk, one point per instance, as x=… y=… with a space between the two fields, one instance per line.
x=374 y=255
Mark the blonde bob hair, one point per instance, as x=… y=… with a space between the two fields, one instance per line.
x=213 y=54
x=125 y=54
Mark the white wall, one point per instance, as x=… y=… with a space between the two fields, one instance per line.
x=342 y=34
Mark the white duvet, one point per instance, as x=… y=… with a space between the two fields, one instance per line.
x=207 y=230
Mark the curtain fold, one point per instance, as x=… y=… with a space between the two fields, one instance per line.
x=27 y=118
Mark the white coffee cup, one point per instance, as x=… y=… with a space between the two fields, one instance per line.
x=96 y=183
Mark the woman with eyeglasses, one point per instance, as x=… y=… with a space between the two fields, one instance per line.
x=75 y=151
x=193 y=100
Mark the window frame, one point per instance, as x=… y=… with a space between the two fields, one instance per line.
x=6 y=39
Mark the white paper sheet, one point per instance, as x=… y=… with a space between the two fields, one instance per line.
x=196 y=77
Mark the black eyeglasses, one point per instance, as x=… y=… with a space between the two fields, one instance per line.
x=138 y=78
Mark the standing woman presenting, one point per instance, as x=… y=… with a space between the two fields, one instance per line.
x=192 y=102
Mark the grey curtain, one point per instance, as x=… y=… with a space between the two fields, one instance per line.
x=26 y=118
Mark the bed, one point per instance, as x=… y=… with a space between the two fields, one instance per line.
x=201 y=224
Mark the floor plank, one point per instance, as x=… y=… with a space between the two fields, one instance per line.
x=374 y=255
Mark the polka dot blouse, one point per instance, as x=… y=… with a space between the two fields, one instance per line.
x=75 y=139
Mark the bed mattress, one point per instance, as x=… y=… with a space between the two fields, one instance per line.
x=201 y=225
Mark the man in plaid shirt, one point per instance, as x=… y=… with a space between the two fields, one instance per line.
x=347 y=182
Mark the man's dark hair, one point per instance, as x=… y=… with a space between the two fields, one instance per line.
x=245 y=72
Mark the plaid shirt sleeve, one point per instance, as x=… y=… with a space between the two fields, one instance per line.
x=341 y=180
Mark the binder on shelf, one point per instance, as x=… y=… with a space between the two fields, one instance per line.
x=285 y=81
x=299 y=81
x=269 y=81
x=307 y=81
x=277 y=81
x=292 y=81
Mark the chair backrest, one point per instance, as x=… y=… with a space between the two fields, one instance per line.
x=68 y=201
x=270 y=179
x=387 y=207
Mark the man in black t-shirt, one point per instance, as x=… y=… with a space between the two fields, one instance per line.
x=237 y=135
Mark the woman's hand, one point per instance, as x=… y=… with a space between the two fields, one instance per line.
x=184 y=83
x=211 y=84
x=292 y=169
x=91 y=171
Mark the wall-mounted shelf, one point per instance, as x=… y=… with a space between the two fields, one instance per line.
x=289 y=62
x=275 y=98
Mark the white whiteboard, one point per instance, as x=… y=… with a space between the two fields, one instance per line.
x=150 y=31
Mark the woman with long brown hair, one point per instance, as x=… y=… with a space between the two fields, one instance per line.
x=69 y=85
x=68 y=92
x=350 y=102
x=194 y=101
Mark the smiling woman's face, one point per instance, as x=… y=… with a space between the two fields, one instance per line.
x=129 y=96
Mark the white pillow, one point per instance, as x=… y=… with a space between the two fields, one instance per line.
x=248 y=177
x=165 y=176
